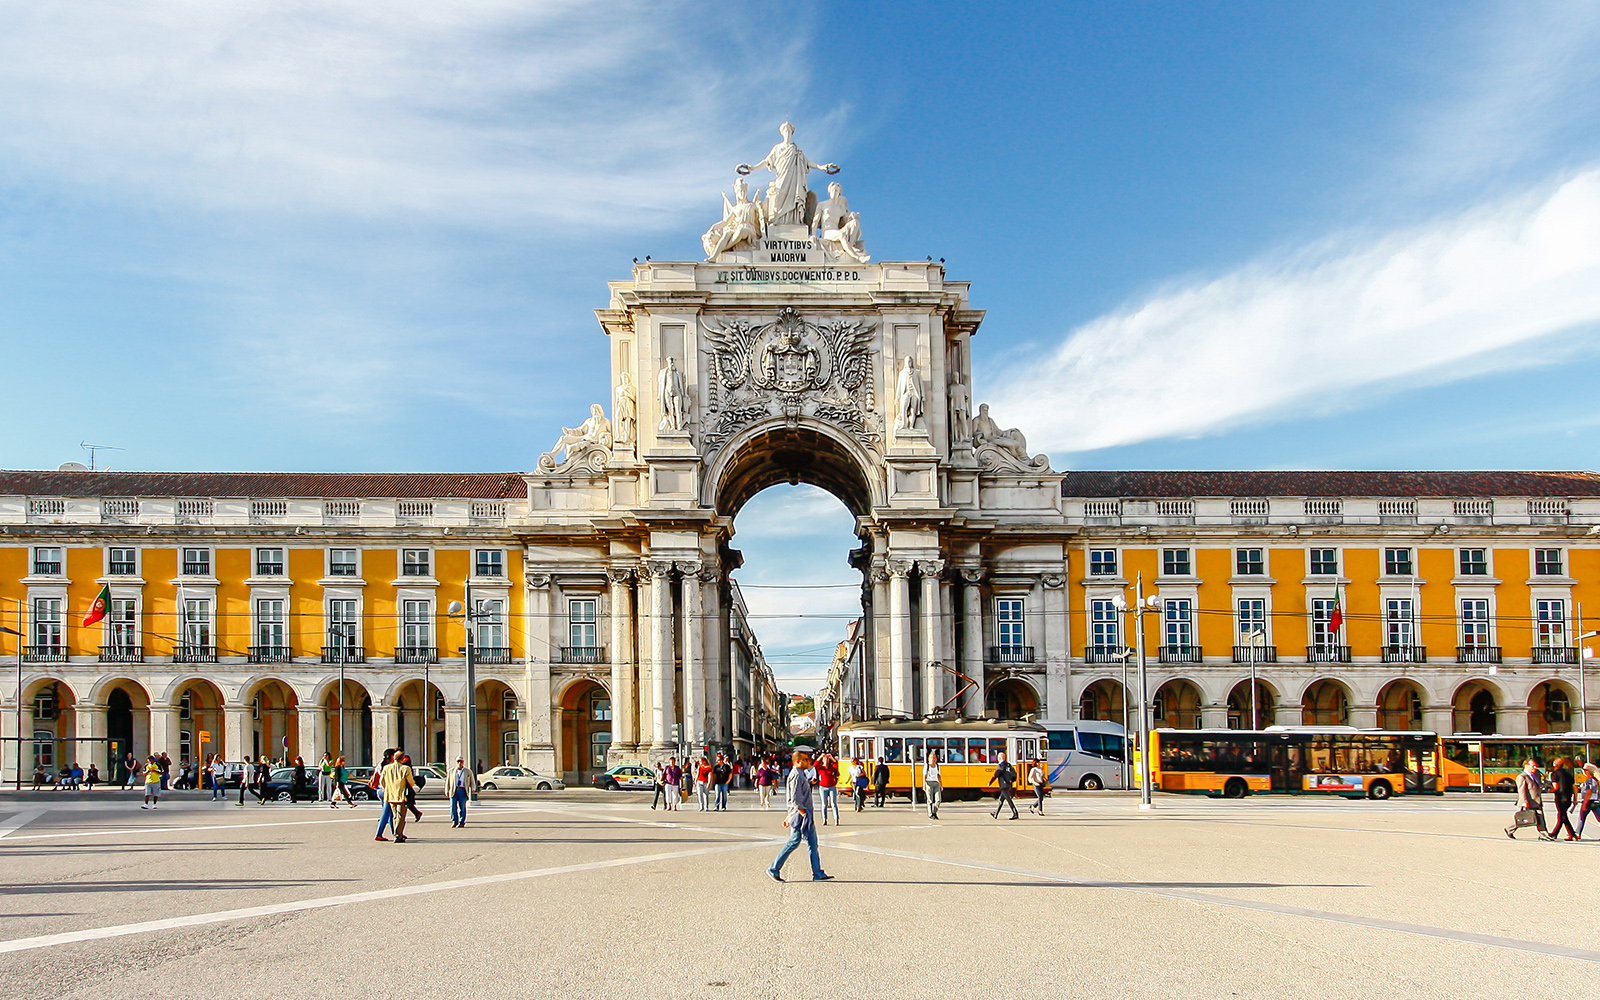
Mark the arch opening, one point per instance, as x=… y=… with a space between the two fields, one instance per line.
x=1012 y=698
x=1476 y=708
x=792 y=455
x=1176 y=705
x=1401 y=704
x=1242 y=714
x=499 y=734
x=585 y=731
x=1103 y=701
x=1550 y=708
x=1325 y=703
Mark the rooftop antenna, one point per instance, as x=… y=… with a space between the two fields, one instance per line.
x=93 y=448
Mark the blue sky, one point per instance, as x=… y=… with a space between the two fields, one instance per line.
x=323 y=237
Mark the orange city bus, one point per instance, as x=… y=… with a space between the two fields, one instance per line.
x=1471 y=762
x=1295 y=760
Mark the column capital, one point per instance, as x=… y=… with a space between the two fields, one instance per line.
x=537 y=581
x=971 y=574
x=1054 y=581
x=657 y=568
x=931 y=568
x=687 y=568
x=899 y=568
x=619 y=574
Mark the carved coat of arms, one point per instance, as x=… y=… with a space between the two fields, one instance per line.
x=790 y=366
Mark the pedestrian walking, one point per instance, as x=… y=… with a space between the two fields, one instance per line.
x=858 y=782
x=768 y=776
x=244 y=778
x=325 y=777
x=932 y=783
x=721 y=777
x=219 y=779
x=417 y=781
x=1562 y=784
x=152 y=784
x=375 y=782
x=397 y=782
x=341 y=789
x=702 y=784
x=661 y=786
x=672 y=777
x=798 y=818
x=1039 y=783
x=263 y=772
x=1005 y=776
x=1588 y=795
x=298 y=787
x=166 y=768
x=131 y=772
x=1530 y=801
x=828 y=782
x=459 y=785
x=880 y=783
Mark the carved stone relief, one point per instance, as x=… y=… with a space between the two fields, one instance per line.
x=791 y=367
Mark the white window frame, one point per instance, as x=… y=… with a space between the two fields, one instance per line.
x=416 y=621
x=1010 y=622
x=427 y=553
x=1116 y=563
x=1188 y=561
x=283 y=560
x=579 y=626
x=122 y=631
x=271 y=623
x=1239 y=561
x=499 y=564
x=491 y=624
x=1411 y=560
x=48 y=622
x=1476 y=622
x=1311 y=561
x=1461 y=562
x=1104 y=620
x=199 y=627
x=1177 y=620
x=1251 y=618
x=1561 y=555
x=356 y=564
x=1324 y=638
x=110 y=562
x=60 y=561
x=1550 y=632
x=1399 y=620
x=183 y=560
x=347 y=631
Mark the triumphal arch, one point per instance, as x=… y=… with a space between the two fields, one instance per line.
x=789 y=355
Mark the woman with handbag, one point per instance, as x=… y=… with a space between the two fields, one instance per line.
x=1530 y=801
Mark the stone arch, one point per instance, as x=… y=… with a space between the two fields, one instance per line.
x=199 y=703
x=585 y=739
x=127 y=704
x=774 y=451
x=499 y=722
x=1402 y=704
x=346 y=721
x=1102 y=700
x=418 y=717
x=1176 y=705
x=50 y=720
x=1012 y=698
x=273 y=724
x=1551 y=707
x=1265 y=706
x=1475 y=707
x=1326 y=702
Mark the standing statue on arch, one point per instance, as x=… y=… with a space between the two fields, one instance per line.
x=908 y=394
x=786 y=198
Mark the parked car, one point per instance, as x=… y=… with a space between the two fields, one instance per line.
x=519 y=777
x=629 y=776
x=280 y=785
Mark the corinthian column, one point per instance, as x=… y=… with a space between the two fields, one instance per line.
x=972 y=642
x=663 y=713
x=900 y=693
x=624 y=697
x=933 y=674
x=694 y=681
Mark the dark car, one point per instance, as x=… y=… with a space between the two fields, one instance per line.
x=280 y=785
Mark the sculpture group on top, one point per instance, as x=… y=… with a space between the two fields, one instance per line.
x=789 y=201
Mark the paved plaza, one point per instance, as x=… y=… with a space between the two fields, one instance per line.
x=587 y=894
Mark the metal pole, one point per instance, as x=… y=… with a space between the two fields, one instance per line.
x=18 y=633
x=1127 y=764
x=1144 y=699
x=472 y=689
x=1583 y=690
x=1254 y=722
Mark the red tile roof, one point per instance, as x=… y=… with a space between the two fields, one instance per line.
x=1330 y=484
x=309 y=485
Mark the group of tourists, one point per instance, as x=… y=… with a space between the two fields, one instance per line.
x=1575 y=786
x=397 y=783
x=73 y=779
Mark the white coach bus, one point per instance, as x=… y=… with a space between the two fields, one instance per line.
x=1088 y=755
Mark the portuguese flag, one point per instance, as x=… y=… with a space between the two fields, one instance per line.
x=97 y=610
x=1335 y=617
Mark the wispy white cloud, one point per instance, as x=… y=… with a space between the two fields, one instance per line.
x=576 y=114
x=1435 y=302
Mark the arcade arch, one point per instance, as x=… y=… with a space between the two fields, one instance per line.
x=1550 y=707
x=1476 y=707
x=585 y=731
x=1401 y=704
x=1325 y=703
x=499 y=728
x=347 y=722
x=199 y=703
x=1012 y=698
x=127 y=723
x=274 y=726
x=1103 y=701
x=1241 y=712
x=1176 y=705
x=421 y=718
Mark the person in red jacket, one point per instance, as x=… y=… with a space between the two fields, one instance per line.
x=828 y=781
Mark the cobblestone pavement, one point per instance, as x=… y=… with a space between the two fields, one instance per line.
x=589 y=894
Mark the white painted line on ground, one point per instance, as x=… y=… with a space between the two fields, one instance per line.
x=1373 y=923
x=18 y=821
x=272 y=909
x=370 y=818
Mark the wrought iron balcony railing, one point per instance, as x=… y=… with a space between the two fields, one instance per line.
x=1010 y=654
x=416 y=654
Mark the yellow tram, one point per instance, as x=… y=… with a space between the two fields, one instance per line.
x=968 y=752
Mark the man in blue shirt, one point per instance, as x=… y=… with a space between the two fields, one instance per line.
x=799 y=819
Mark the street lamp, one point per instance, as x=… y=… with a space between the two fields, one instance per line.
x=469 y=613
x=1141 y=607
x=12 y=631
x=1583 y=690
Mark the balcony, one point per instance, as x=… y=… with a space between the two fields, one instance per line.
x=1327 y=654
x=416 y=654
x=196 y=569
x=44 y=654
x=1405 y=654
x=1477 y=654
x=583 y=654
x=1555 y=654
x=269 y=654
x=1181 y=654
x=1255 y=654
x=1104 y=654
x=491 y=654
x=121 y=654
x=1010 y=654
x=344 y=654
x=194 y=654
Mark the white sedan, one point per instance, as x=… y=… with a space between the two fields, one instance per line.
x=519 y=777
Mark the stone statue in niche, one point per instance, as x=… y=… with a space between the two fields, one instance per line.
x=575 y=442
x=674 y=398
x=786 y=198
x=741 y=223
x=625 y=409
x=908 y=396
x=987 y=434
x=960 y=413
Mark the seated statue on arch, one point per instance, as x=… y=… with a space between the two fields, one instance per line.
x=846 y=240
x=592 y=433
x=741 y=223
x=987 y=433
